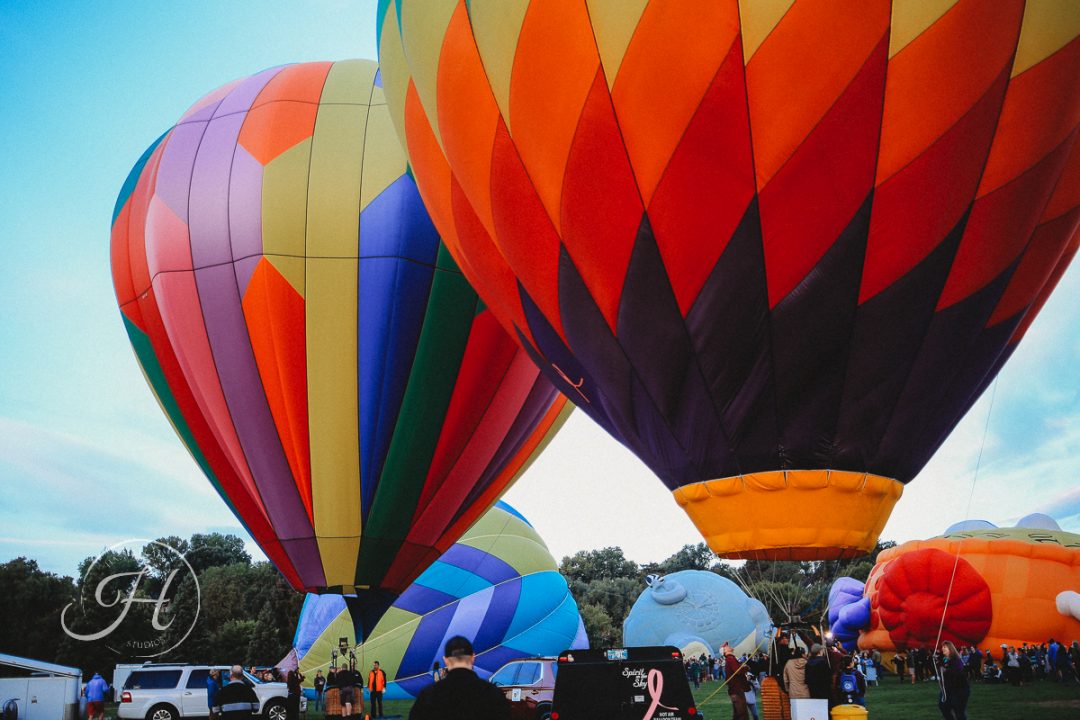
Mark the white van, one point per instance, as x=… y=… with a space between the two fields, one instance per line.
x=35 y=690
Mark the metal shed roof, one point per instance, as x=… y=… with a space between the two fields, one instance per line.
x=39 y=666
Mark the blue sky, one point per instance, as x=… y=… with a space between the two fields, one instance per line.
x=86 y=457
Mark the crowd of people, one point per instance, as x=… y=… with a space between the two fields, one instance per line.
x=350 y=686
x=1027 y=663
x=823 y=673
x=828 y=673
x=218 y=680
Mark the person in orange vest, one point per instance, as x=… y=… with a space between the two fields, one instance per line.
x=376 y=685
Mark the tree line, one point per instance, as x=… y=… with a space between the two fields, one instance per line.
x=605 y=584
x=247 y=612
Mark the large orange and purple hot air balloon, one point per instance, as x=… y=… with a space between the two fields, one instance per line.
x=776 y=249
x=976 y=584
x=311 y=340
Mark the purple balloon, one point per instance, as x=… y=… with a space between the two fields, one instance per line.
x=849 y=611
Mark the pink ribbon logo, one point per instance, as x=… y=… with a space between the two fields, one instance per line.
x=656 y=686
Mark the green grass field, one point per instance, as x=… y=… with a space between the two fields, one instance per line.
x=893 y=701
x=890 y=701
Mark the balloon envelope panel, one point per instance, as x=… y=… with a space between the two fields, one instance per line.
x=309 y=337
x=837 y=227
x=498 y=585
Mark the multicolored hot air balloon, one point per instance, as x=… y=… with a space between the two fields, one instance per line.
x=977 y=584
x=776 y=249
x=309 y=337
x=498 y=585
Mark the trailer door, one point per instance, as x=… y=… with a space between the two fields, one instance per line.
x=14 y=688
x=48 y=698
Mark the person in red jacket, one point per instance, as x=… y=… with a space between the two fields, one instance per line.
x=738 y=683
x=376 y=682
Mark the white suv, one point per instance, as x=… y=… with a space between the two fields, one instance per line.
x=170 y=692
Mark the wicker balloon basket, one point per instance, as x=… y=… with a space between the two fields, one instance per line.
x=774 y=704
x=332 y=699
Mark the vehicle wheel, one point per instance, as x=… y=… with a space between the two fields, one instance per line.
x=163 y=712
x=275 y=710
x=543 y=712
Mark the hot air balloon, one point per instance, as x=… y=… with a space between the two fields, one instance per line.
x=775 y=249
x=697 y=611
x=310 y=339
x=847 y=612
x=498 y=585
x=977 y=584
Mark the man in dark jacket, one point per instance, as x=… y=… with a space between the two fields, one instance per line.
x=818 y=673
x=236 y=701
x=351 y=691
x=461 y=695
x=781 y=655
x=320 y=685
x=738 y=683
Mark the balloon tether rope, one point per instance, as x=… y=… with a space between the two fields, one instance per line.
x=967 y=516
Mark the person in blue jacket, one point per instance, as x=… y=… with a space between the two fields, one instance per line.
x=95 y=692
x=213 y=684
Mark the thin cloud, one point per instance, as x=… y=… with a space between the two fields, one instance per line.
x=55 y=481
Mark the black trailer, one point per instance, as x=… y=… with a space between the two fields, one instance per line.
x=635 y=683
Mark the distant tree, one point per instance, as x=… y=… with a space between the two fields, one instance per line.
x=225 y=593
x=859 y=568
x=690 y=557
x=161 y=562
x=616 y=596
x=773 y=571
x=599 y=627
x=605 y=564
x=276 y=619
x=726 y=570
x=189 y=635
x=214 y=549
x=106 y=585
x=230 y=642
x=244 y=610
x=30 y=605
x=237 y=598
x=799 y=591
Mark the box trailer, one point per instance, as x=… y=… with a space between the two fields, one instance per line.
x=36 y=690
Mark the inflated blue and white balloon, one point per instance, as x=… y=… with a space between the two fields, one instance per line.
x=498 y=585
x=697 y=611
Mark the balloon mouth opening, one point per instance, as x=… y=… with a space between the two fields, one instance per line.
x=791 y=514
x=800 y=554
